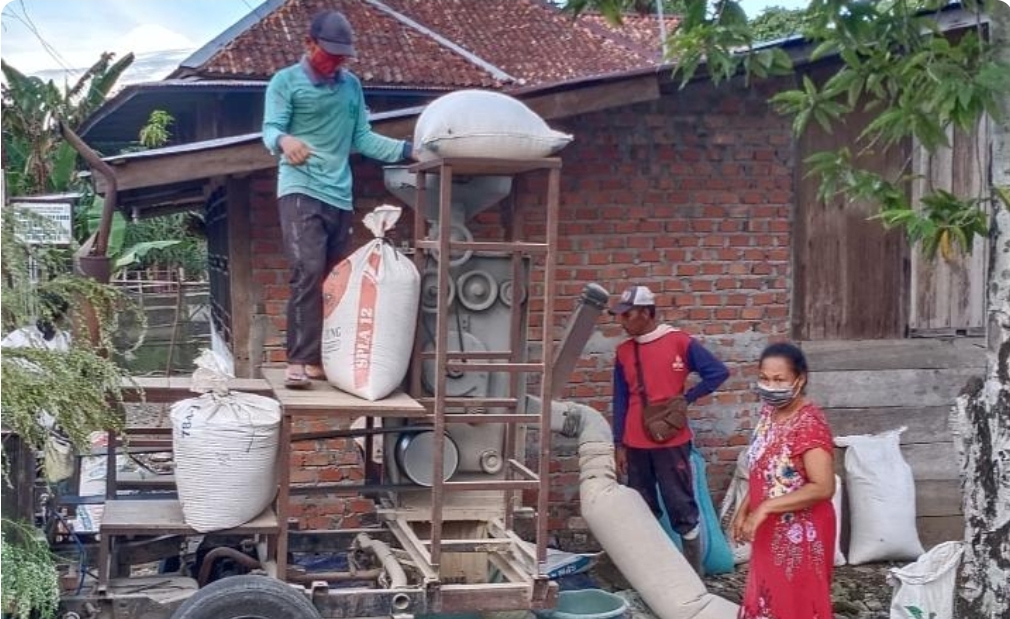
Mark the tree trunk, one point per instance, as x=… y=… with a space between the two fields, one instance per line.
x=981 y=416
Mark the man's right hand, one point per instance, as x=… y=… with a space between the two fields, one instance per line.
x=295 y=151
x=621 y=461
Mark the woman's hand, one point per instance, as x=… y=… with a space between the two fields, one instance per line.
x=736 y=526
x=752 y=522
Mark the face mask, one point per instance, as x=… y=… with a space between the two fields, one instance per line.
x=776 y=398
x=325 y=64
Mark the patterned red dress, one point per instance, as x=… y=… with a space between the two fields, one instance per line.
x=792 y=553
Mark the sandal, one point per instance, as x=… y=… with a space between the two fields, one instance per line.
x=297 y=380
x=314 y=372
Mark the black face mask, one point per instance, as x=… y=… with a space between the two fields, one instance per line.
x=776 y=398
x=47 y=329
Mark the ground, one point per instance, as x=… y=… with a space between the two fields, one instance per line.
x=860 y=592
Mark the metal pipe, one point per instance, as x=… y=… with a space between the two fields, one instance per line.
x=303 y=577
x=112 y=191
x=397 y=577
x=577 y=332
x=224 y=551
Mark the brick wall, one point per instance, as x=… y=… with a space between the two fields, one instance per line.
x=690 y=195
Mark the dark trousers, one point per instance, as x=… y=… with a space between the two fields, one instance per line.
x=670 y=469
x=315 y=236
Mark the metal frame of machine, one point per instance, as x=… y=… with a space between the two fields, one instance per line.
x=392 y=554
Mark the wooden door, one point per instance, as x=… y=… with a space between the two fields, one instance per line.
x=948 y=295
x=850 y=276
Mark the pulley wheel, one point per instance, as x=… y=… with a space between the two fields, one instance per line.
x=415 y=452
x=429 y=292
x=477 y=290
x=507 y=293
x=457 y=233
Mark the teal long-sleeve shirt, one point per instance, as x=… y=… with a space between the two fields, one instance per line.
x=330 y=116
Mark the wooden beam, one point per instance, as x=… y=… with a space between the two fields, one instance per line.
x=244 y=157
x=881 y=388
x=575 y=101
x=240 y=274
x=904 y=354
x=189 y=165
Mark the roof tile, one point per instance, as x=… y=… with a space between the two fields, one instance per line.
x=528 y=40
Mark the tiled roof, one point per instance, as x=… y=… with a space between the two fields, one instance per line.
x=437 y=44
x=638 y=31
x=390 y=53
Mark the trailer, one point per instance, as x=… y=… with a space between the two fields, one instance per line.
x=449 y=484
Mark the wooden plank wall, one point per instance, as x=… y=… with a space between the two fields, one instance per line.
x=871 y=386
x=850 y=275
x=948 y=296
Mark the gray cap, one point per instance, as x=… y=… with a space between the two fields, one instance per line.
x=635 y=296
x=333 y=33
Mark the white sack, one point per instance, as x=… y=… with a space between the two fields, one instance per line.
x=225 y=446
x=881 y=499
x=370 y=303
x=836 y=502
x=926 y=585
x=481 y=123
x=733 y=501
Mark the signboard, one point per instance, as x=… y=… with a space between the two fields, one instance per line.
x=44 y=223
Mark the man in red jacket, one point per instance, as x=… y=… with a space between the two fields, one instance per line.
x=651 y=367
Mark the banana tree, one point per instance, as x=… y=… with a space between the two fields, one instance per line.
x=36 y=159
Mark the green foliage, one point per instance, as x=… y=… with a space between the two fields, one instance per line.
x=155 y=132
x=170 y=241
x=944 y=222
x=30 y=586
x=36 y=159
x=79 y=388
x=776 y=22
x=894 y=64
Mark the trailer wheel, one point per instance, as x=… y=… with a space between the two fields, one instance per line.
x=247 y=597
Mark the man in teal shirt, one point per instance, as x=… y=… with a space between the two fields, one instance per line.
x=314 y=115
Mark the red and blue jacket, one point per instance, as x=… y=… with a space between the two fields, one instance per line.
x=668 y=356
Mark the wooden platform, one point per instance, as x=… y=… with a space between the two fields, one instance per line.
x=321 y=398
x=164 y=517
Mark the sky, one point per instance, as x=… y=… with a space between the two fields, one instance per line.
x=160 y=33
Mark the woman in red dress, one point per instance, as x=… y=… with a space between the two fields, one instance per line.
x=787 y=515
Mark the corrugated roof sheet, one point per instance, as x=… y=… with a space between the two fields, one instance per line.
x=438 y=44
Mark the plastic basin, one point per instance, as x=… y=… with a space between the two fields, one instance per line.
x=587 y=604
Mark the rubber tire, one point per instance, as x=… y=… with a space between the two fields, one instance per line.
x=247 y=596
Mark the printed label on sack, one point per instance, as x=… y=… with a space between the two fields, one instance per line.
x=366 y=319
x=335 y=286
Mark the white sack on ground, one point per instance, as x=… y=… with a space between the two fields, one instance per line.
x=926 y=585
x=881 y=493
x=482 y=123
x=370 y=305
x=225 y=446
x=836 y=502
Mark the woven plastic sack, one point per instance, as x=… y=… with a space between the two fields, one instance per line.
x=370 y=303
x=717 y=556
x=482 y=124
x=881 y=493
x=735 y=496
x=225 y=447
x=926 y=588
